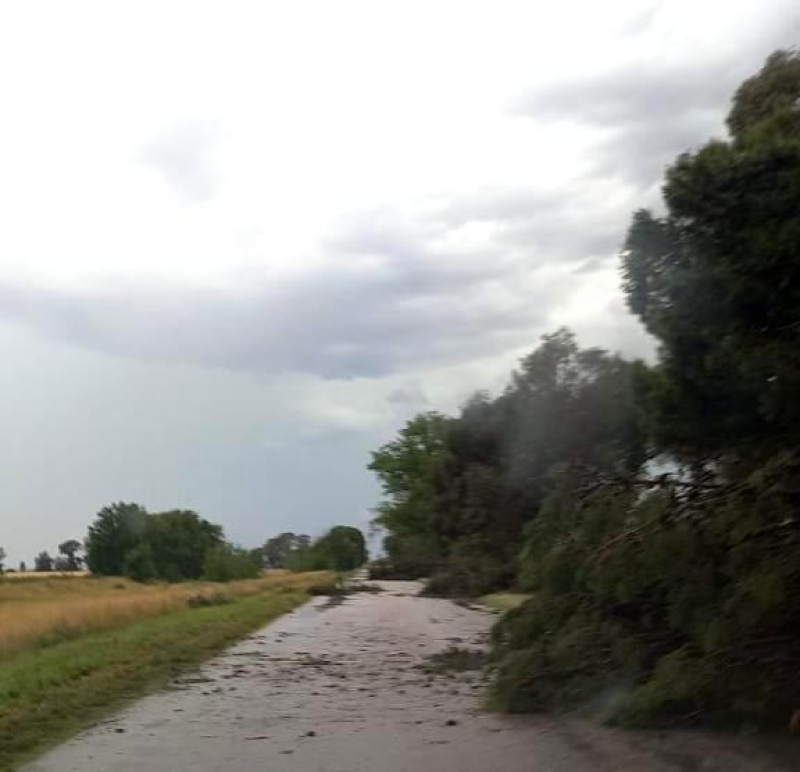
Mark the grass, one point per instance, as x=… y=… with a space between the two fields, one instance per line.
x=48 y=692
x=504 y=601
x=40 y=612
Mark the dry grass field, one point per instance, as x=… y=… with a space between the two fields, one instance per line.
x=43 y=609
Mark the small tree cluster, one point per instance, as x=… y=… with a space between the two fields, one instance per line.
x=127 y=540
x=342 y=548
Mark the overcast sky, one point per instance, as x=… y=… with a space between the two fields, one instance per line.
x=242 y=242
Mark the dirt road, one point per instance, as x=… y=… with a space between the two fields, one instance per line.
x=339 y=688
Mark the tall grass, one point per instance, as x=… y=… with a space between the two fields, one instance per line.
x=40 y=612
x=50 y=692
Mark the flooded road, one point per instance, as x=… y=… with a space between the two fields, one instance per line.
x=342 y=687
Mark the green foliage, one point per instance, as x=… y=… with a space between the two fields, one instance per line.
x=116 y=530
x=406 y=468
x=180 y=541
x=485 y=473
x=343 y=548
x=139 y=564
x=656 y=598
x=126 y=540
x=718 y=280
x=224 y=563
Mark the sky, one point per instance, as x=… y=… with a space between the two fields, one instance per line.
x=241 y=243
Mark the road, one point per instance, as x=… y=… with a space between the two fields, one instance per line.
x=341 y=687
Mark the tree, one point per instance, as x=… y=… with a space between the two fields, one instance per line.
x=342 y=548
x=179 y=541
x=278 y=550
x=461 y=490
x=43 y=562
x=225 y=563
x=22 y=566
x=70 y=549
x=2 y=558
x=116 y=530
x=684 y=585
x=406 y=468
x=717 y=281
x=125 y=539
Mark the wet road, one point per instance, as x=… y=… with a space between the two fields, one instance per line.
x=339 y=688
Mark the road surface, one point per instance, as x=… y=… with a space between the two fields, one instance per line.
x=342 y=688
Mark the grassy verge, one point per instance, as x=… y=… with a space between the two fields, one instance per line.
x=48 y=693
x=503 y=601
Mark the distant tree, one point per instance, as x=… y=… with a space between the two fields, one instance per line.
x=224 y=563
x=343 y=548
x=278 y=550
x=116 y=530
x=70 y=549
x=2 y=559
x=22 y=566
x=179 y=540
x=43 y=562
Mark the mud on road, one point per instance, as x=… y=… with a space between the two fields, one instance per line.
x=344 y=687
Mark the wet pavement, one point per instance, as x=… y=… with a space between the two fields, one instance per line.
x=343 y=687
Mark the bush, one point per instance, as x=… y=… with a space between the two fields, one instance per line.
x=225 y=563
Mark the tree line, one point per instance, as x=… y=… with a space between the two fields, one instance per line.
x=68 y=559
x=649 y=510
x=125 y=539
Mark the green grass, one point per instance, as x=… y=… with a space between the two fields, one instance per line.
x=47 y=694
x=504 y=601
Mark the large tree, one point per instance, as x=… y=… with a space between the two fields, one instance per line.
x=406 y=468
x=179 y=541
x=684 y=586
x=126 y=539
x=717 y=280
x=117 y=529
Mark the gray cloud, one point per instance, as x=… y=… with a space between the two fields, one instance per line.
x=184 y=157
x=390 y=294
x=646 y=114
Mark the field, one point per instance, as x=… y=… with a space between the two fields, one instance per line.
x=72 y=648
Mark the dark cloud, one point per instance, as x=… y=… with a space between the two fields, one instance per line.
x=184 y=157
